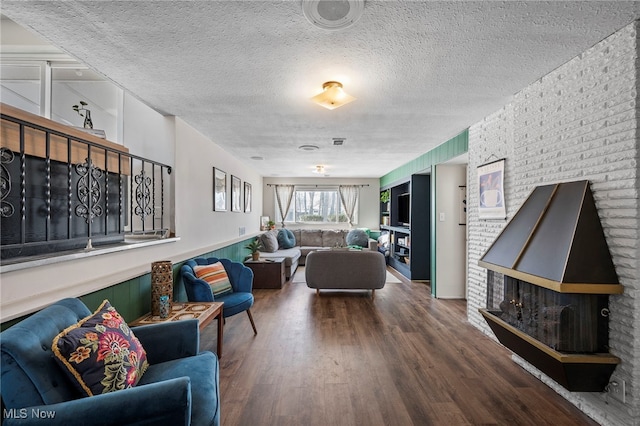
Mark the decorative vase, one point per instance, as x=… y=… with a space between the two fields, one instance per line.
x=88 y=124
x=165 y=307
x=161 y=284
x=255 y=256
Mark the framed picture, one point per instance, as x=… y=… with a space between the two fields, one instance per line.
x=236 y=194
x=491 y=191
x=247 y=197
x=219 y=190
x=264 y=223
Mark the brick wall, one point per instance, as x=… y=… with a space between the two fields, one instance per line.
x=578 y=122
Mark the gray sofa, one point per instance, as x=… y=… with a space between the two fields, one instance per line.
x=346 y=270
x=307 y=241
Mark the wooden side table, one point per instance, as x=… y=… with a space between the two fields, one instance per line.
x=267 y=273
x=204 y=312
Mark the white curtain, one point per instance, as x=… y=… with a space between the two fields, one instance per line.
x=349 y=196
x=284 y=195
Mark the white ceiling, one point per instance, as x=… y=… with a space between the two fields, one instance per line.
x=242 y=72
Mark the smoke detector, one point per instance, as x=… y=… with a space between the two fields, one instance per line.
x=332 y=14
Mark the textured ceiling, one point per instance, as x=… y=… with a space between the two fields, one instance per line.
x=242 y=72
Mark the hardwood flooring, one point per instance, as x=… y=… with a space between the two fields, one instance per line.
x=342 y=359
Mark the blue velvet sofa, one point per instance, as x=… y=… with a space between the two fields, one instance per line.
x=180 y=386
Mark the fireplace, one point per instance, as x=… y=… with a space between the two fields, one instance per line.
x=548 y=283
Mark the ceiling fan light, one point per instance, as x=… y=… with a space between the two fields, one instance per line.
x=332 y=96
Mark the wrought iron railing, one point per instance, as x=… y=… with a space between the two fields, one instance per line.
x=59 y=191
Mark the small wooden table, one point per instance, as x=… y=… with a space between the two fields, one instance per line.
x=204 y=312
x=267 y=273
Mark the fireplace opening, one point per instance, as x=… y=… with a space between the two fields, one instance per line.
x=565 y=322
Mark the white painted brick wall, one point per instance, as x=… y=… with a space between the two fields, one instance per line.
x=578 y=122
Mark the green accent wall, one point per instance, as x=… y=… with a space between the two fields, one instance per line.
x=132 y=298
x=452 y=148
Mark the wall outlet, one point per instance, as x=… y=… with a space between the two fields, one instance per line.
x=617 y=389
x=241 y=231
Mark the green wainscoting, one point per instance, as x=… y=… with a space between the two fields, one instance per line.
x=132 y=298
x=452 y=148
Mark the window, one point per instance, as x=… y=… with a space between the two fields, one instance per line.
x=316 y=205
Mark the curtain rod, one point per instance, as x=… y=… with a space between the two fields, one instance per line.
x=302 y=184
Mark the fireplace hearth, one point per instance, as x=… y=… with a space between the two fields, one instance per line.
x=548 y=284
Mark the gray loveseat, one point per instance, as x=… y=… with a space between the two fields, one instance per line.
x=307 y=241
x=346 y=270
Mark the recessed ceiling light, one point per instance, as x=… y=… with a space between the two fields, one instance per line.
x=257 y=158
x=308 y=147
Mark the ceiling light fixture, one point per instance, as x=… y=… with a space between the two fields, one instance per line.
x=319 y=169
x=332 y=96
x=308 y=147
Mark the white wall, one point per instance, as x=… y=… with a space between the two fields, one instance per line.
x=578 y=122
x=192 y=156
x=369 y=216
x=197 y=223
x=147 y=133
x=151 y=135
x=450 y=235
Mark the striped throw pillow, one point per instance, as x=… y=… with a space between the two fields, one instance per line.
x=216 y=276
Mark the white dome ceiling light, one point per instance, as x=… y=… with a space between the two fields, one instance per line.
x=332 y=14
x=332 y=96
x=319 y=169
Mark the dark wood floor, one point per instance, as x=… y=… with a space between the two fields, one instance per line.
x=403 y=358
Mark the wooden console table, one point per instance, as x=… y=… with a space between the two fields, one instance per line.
x=204 y=312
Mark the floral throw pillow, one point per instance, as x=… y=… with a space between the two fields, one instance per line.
x=100 y=353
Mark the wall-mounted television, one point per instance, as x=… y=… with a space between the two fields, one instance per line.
x=404 y=215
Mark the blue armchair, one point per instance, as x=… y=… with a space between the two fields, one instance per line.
x=179 y=387
x=241 y=279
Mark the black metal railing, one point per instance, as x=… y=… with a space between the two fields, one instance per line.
x=62 y=192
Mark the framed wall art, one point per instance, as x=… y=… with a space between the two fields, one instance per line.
x=264 y=223
x=219 y=190
x=247 y=197
x=491 y=191
x=236 y=194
